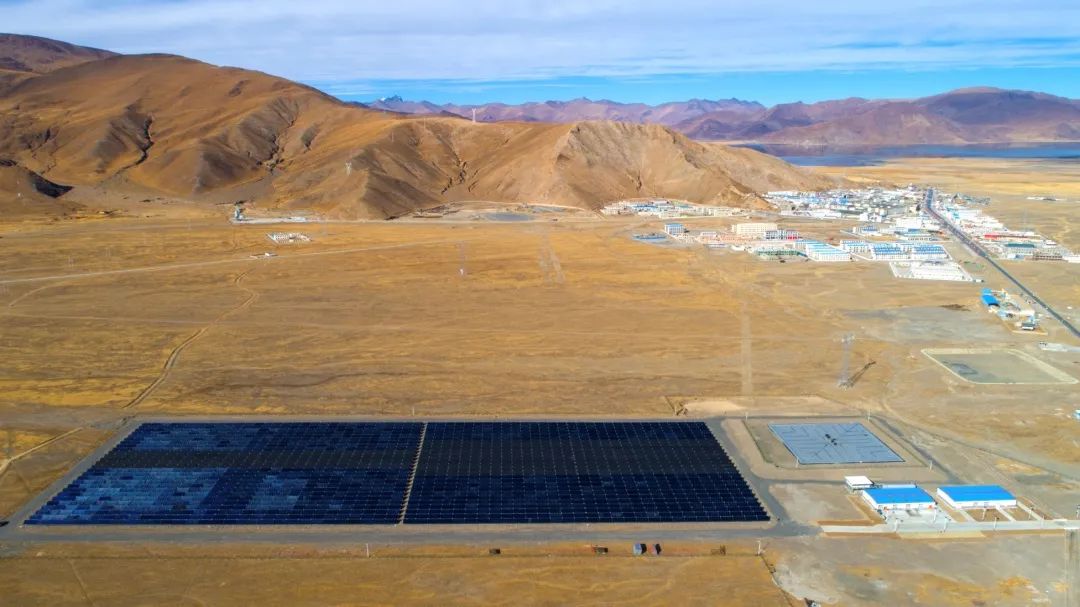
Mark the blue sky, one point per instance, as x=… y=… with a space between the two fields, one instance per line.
x=512 y=51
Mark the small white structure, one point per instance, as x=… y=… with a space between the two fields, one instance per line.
x=858 y=483
x=968 y=497
x=674 y=229
x=887 y=498
x=288 y=237
x=753 y=230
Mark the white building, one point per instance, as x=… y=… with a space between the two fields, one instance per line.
x=855 y=246
x=819 y=251
x=886 y=250
x=674 y=229
x=753 y=230
x=887 y=498
x=967 y=497
x=825 y=214
x=929 y=252
x=858 y=483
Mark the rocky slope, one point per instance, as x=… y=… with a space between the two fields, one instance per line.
x=25 y=193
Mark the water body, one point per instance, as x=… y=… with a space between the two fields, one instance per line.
x=508 y=217
x=874 y=155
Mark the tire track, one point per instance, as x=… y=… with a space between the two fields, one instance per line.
x=14 y=302
x=170 y=362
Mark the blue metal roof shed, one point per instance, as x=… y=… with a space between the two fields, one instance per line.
x=898 y=498
x=990 y=300
x=976 y=496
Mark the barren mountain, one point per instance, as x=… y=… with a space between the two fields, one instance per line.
x=890 y=123
x=983 y=115
x=41 y=55
x=166 y=124
x=576 y=110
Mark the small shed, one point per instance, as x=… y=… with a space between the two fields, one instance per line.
x=858 y=483
x=967 y=497
x=884 y=499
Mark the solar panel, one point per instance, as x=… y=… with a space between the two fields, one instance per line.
x=359 y=473
x=244 y=473
x=833 y=444
x=563 y=472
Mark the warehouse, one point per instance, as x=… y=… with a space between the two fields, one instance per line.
x=819 y=251
x=885 y=250
x=855 y=246
x=929 y=252
x=899 y=497
x=753 y=230
x=968 y=497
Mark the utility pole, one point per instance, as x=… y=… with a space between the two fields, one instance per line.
x=845 y=360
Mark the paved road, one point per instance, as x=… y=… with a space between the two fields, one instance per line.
x=981 y=252
x=955 y=527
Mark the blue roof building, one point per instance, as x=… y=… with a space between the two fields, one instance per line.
x=898 y=498
x=976 y=496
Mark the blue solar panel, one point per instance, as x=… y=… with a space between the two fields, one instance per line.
x=359 y=473
x=561 y=472
x=244 y=473
x=831 y=443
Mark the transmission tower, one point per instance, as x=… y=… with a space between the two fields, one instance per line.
x=845 y=360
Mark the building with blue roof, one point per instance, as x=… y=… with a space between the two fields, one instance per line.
x=967 y=497
x=885 y=499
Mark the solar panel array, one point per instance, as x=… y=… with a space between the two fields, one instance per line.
x=562 y=472
x=361 y=473
x=244 y=473
x=833 y=444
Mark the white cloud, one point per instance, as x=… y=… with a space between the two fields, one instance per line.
x=330 y=41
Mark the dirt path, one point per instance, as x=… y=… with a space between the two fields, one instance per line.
x=14 y=302
x=170 y=362
x=4 y=464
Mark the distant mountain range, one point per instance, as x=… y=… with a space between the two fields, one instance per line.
x=974 y=115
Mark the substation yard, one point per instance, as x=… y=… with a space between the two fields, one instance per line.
x=523 y=321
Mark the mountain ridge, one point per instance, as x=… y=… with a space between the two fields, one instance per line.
x=965 y=115
x=185 y=129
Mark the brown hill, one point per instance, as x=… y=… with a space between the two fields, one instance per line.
x=886 y=124
x=40 y=55
x=187 y=129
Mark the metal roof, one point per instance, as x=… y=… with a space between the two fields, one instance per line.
x=900 y=495
x=976 y=493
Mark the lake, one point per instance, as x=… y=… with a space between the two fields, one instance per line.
x=872 y=155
